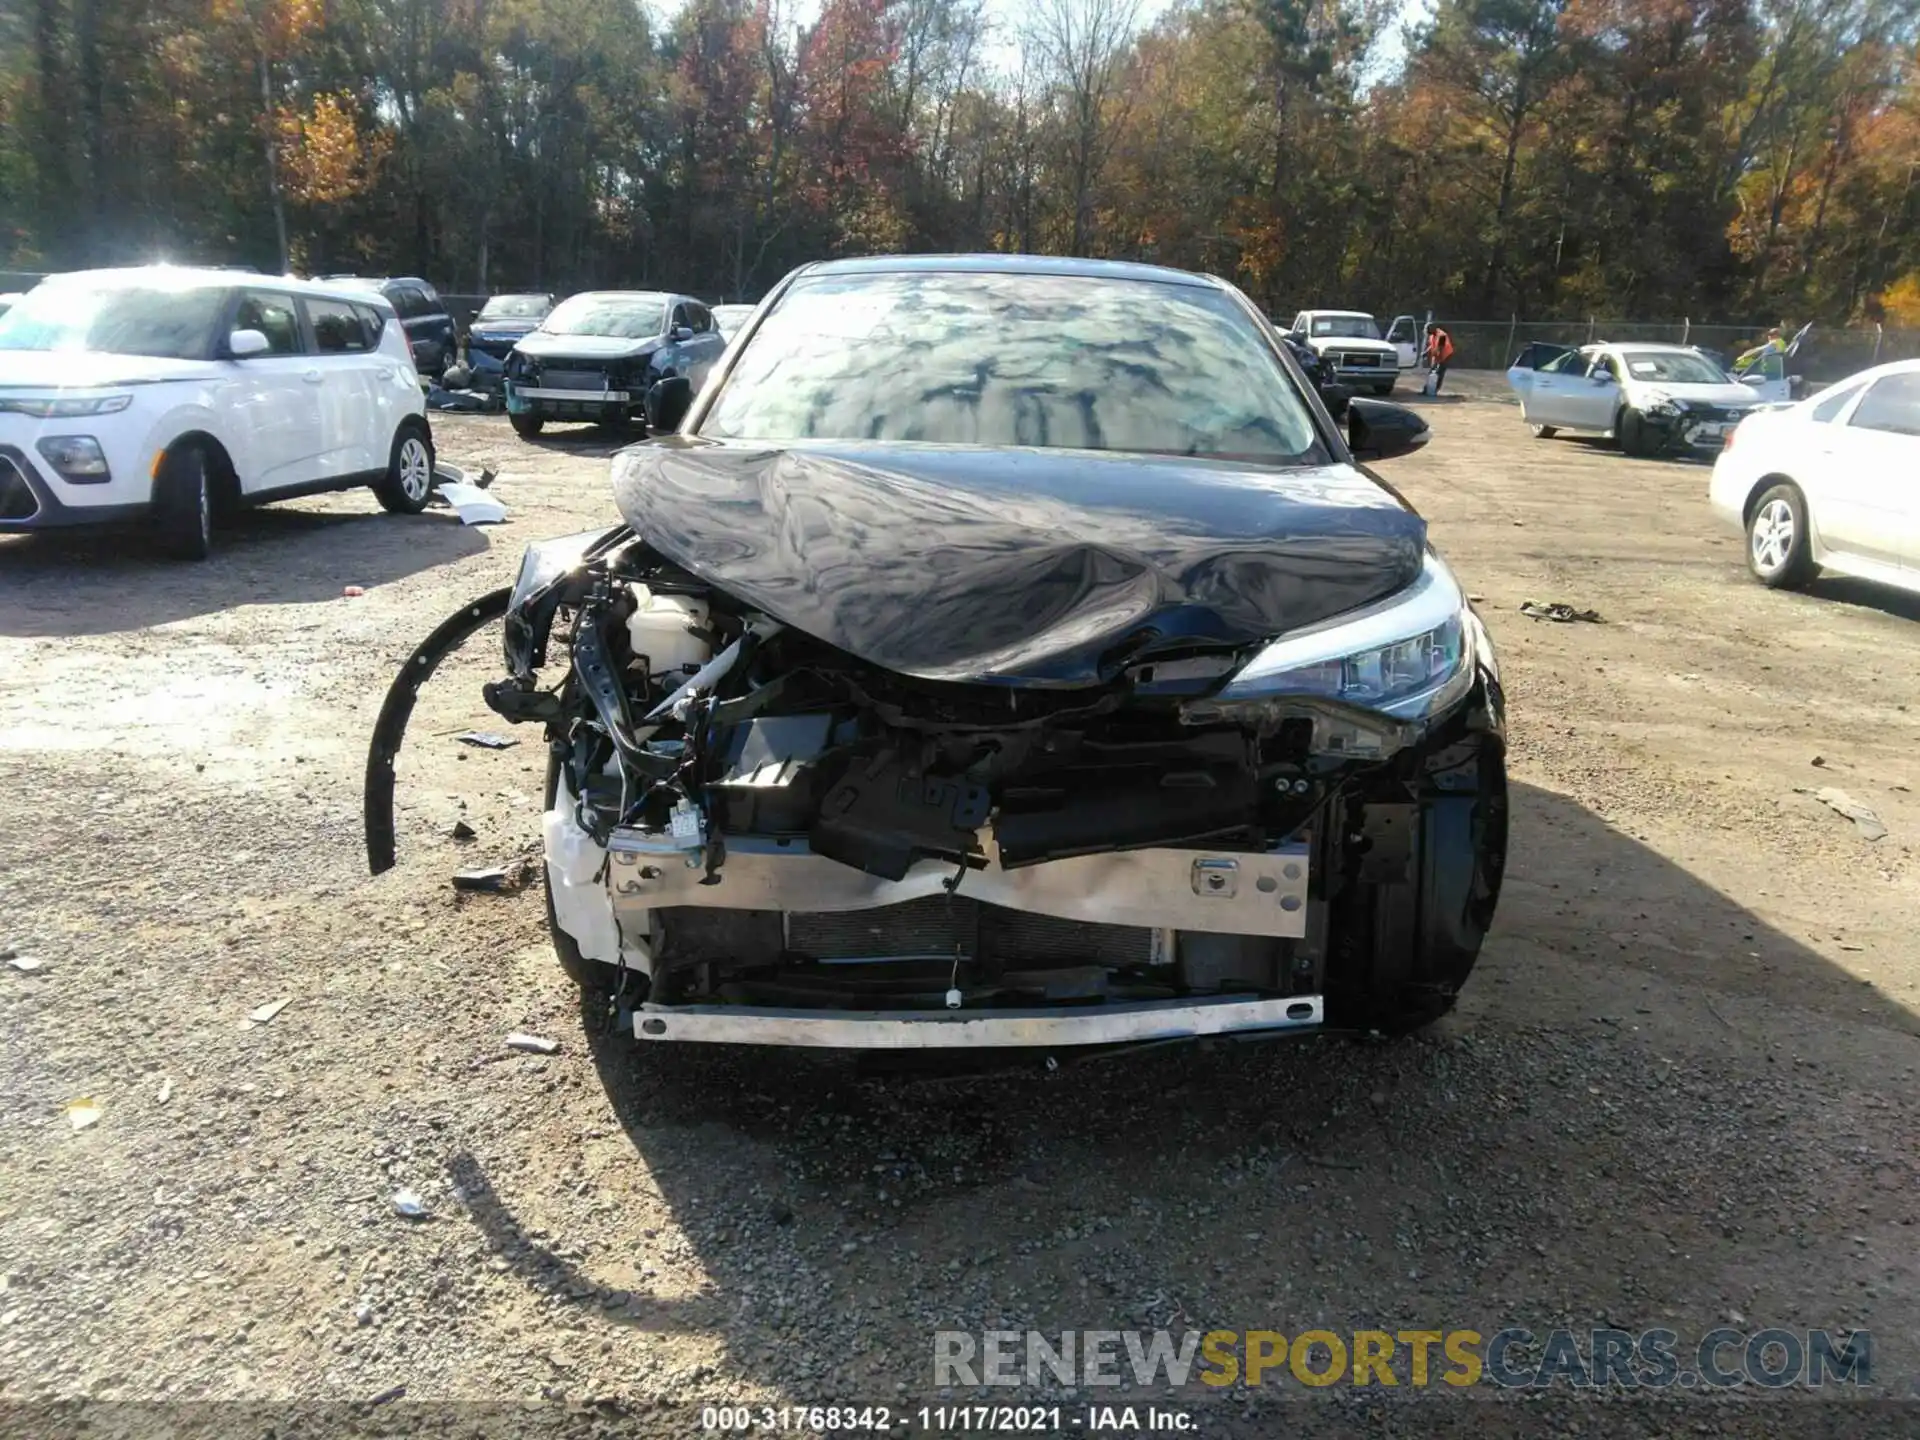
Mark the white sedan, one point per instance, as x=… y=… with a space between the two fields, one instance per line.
x=1832 y=482
x=1652 y=399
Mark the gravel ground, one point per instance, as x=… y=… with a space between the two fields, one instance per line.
x=1679 y=1092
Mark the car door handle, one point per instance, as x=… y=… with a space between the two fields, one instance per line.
x=312 y=377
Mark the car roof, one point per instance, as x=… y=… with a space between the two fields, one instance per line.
x=193 y=277
x=657 y=295
x=1342 y=314
x=1658 y=347
x=1011 y=265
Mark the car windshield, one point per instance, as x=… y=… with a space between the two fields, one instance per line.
x=515 y=307
x=170 y=323
x=621 y=317
x=1673 y=367
x=965 y=358
x=1351 y=327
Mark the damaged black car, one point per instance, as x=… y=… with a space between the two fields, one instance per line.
x=1005 y=652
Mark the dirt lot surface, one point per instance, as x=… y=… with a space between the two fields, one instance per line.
x=1680 y=1091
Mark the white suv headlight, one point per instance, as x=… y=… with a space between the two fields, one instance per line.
x=67 y=409
x=1404 y=656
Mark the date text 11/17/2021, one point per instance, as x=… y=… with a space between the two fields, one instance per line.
x=942 y=1419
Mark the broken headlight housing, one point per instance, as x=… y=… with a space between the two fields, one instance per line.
x=545 y=564
x=1407 y=655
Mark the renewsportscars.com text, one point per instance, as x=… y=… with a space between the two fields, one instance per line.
x=1601 y=1358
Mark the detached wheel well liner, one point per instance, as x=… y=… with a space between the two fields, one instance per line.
x=391 y=728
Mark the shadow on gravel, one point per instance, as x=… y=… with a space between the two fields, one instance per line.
x=592 y=441
x=85 y=582
x=1900 y=604
x=1570 y=1158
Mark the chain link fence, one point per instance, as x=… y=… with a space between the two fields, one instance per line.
x=1827 y=354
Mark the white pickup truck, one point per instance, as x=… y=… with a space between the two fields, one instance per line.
x=1355 y=353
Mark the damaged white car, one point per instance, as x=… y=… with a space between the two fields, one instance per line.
x=1005 y=652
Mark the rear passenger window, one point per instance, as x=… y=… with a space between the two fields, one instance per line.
x=1892 y=404
x=273 y=317
x=700 y=319
x=410 y=302
x=1828 y=410
x=373 y=322
x=336 y=327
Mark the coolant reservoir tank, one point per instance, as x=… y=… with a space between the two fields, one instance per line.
x=660 y=628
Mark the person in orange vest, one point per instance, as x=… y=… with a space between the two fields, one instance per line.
x=1439 y=352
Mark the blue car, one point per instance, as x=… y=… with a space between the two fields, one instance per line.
x=503 y=322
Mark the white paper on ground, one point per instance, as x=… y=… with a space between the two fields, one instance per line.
x=475 y=506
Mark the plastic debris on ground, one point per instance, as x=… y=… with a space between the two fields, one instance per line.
x=1558 y=610
x=83 y=1112
x=29 y=963
x=166 y=1090
x=472 y=504
x=1841 y=803
x=532 y=1044
x=496 y=879
x=486 y=740
x=445 y=474
x=265 y=1013
x=466 y=401
x=463 y=831
x=353 y=592
x=409 y=1205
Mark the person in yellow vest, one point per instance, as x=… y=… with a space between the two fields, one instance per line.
x=1774 y=344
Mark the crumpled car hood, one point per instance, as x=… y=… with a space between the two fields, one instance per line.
x=1731 y=395
x=586 y=347
x=1019 y=567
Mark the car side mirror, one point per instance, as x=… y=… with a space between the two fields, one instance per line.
x=667 y=404
x=1380 y=430
x=242 y=343
x=680 y=333
x=1754 y=380
x=1601 y=379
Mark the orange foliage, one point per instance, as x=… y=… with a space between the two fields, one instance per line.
x=324 y=156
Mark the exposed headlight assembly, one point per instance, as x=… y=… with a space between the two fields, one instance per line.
x=66 y=409
x=1404 y=656
x=544 y=565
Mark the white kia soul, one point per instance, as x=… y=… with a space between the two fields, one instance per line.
x=166 y=396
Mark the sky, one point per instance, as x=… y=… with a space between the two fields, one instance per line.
x=1006 y=16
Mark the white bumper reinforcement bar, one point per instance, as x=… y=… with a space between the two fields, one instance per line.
x=975 y=1029
x=591 y=397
